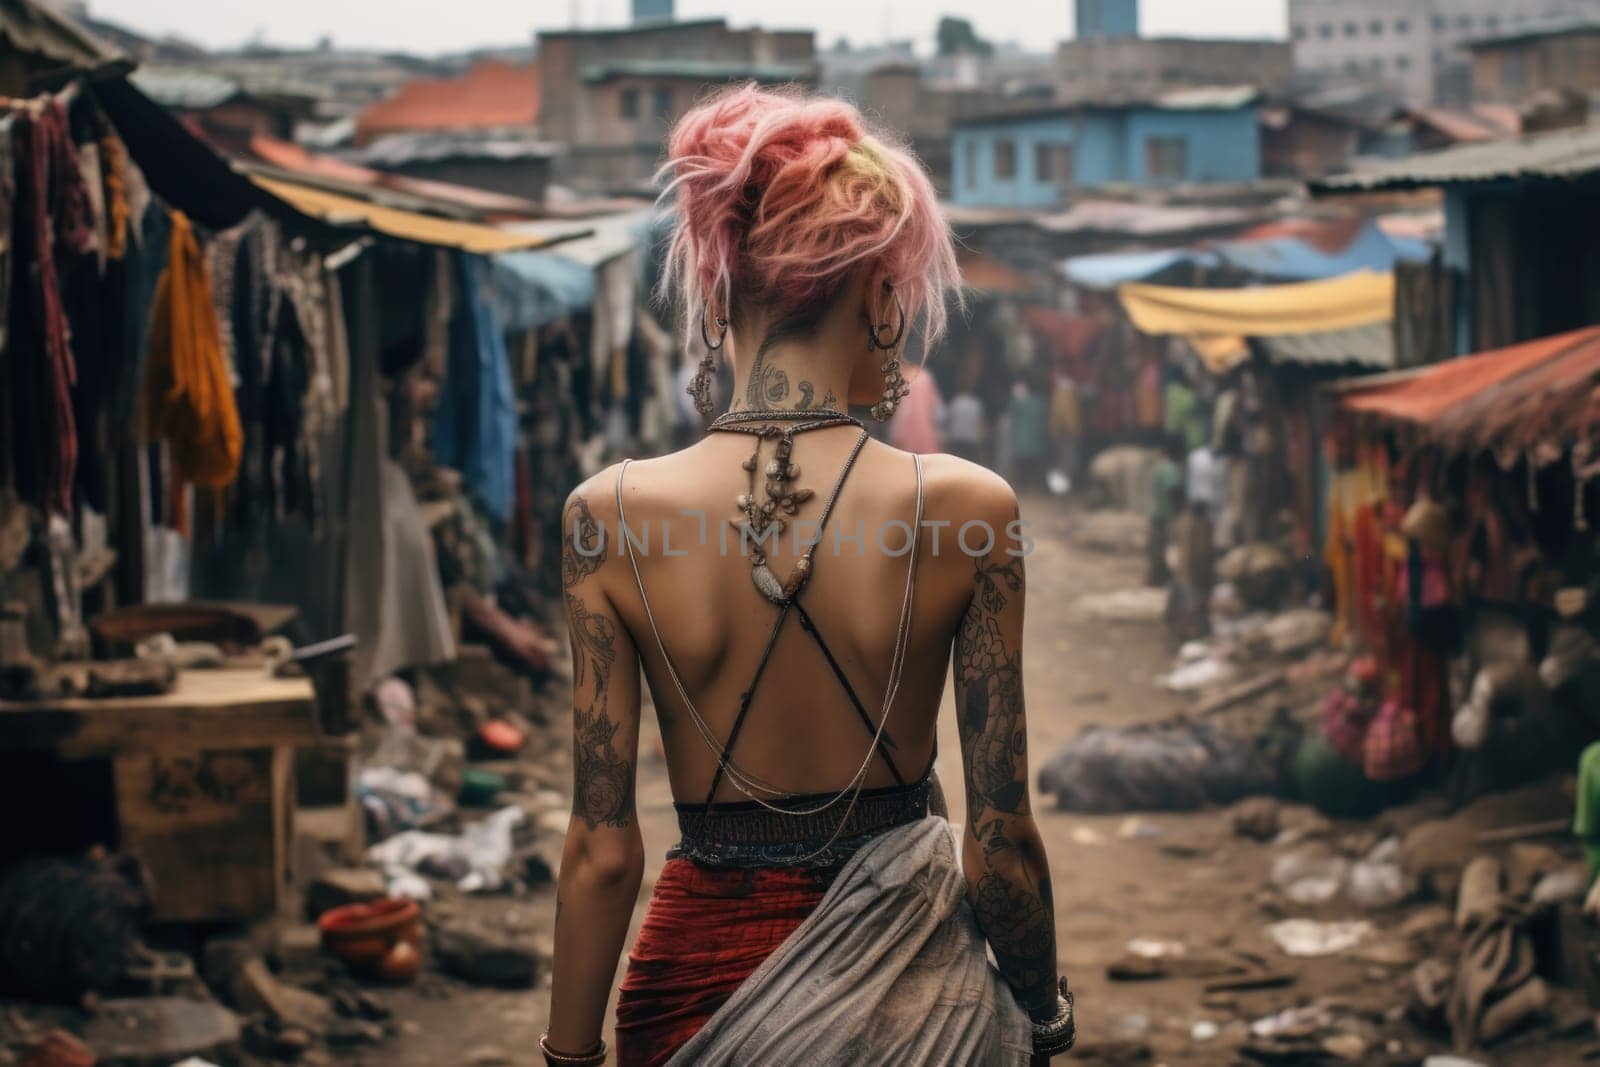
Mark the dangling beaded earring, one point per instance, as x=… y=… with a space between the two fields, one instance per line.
x=894 y=383
x=700 y=386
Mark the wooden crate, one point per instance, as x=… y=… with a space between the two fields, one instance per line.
x=204 y=783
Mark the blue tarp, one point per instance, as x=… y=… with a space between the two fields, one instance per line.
x=1281 y=258
x=1111 y=269
x=535 y=288
x=475 y=429
x=1292 y=258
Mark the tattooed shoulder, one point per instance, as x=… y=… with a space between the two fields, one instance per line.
x=583 y=542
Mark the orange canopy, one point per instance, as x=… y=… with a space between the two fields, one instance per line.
x=1538 y=389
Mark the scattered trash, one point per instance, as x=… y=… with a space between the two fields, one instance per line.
x=1310 y=937
x=1178 y=765
x=1292 y=1022
x=1204 y=1030
x=257 y=989
x=1125 y=605
x=1297 y=631
x=1134 y=828
x=396 y=702
x=480 y=788
x=1560 y=887
x=368 y=937
x=476 y=859
x=504 y=960
x=1087 y=836
x=339 y=886
x=1259 y=574
x=61 y=1049
x=1496 y=988
x=396 y=800
x=1310 y=875
x=1201 y=674
x=1155 y=949
x=1256 y=818
x=1378 y=880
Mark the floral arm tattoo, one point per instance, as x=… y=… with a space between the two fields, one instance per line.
x=1013 y=906
x=602 y=777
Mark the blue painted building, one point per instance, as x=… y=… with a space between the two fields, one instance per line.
x=1106 y=18
x=1036 y=159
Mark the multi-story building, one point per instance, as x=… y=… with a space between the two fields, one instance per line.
x=1039 y=158
x=1511 y=68
x=1416 y=47
x=1106 y=18
x=609 y=96
x=1101 y=68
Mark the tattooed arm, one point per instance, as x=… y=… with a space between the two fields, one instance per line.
x=603 y=862
x=1008 y=877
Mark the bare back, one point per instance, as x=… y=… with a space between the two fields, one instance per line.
x=803 y=733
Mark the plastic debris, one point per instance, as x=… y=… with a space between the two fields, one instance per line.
x=476 y=859
x=1310 y=937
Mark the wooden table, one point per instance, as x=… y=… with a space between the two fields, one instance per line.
x=203 y=782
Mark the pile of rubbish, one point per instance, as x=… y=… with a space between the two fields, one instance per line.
x=458 y=772
x=1455 y=933
x=1179 y=765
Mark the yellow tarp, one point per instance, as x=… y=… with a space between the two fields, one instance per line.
x=341 y=210
x=1216 y=321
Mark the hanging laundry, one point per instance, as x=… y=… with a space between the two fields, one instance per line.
x=188 y=394
x=53 y=207
x=114 y=159
x=476 y=425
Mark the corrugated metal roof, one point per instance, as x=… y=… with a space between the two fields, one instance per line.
x=183 y=88
x=1204 y=98
x=1557 y=155
x=1553 y=27
x=707 y=69
x=32 y=27
x=609 y=236
x=1144 y=220
x=1208 y=98
x=1538 y=391
x=399 y=149
x=1364 y=346
x=338 y=209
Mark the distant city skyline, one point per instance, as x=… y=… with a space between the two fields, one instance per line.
x=433 y=28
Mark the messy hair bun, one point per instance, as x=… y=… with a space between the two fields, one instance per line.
x=781 y=195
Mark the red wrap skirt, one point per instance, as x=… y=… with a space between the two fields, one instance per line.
x=705 y=931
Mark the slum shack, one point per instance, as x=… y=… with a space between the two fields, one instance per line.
x=277 y=430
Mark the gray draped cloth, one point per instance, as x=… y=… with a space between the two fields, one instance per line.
x=890 y=969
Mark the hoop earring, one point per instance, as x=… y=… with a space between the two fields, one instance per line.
x=700 y=385
x=895 y=388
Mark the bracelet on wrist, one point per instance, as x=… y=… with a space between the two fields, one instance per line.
x=1058 y=1033
x=595 y=1057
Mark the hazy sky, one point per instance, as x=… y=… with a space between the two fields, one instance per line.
x=453 y=25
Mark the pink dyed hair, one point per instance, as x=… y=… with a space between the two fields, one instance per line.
x=781 y=196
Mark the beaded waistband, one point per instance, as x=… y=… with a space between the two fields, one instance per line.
x=745 y=834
